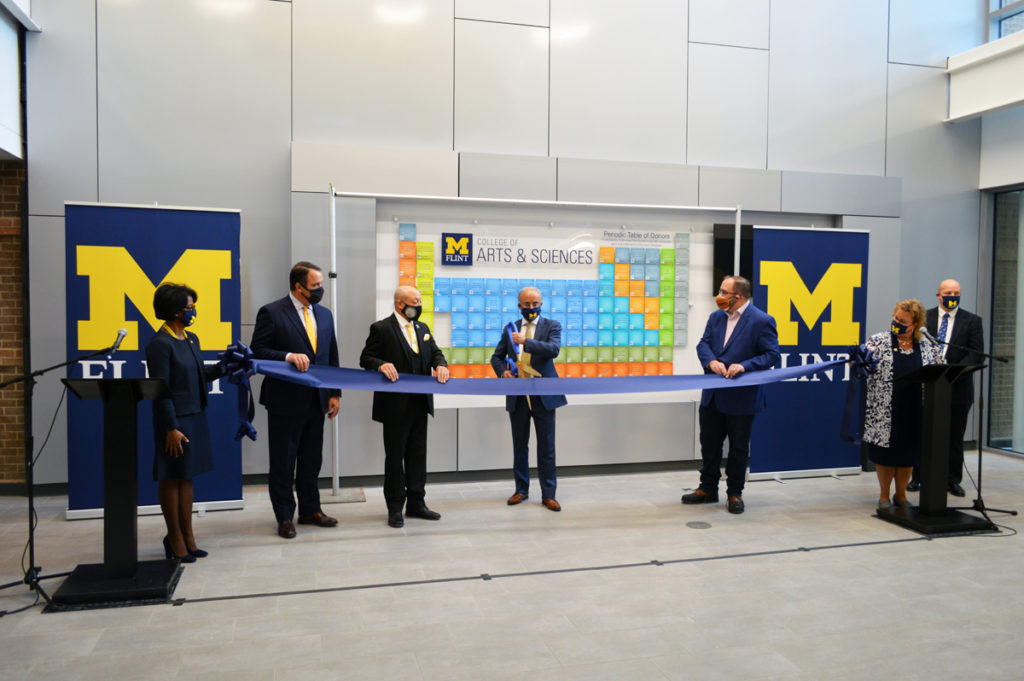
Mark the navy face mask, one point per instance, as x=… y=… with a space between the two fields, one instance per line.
x=530 y=313
x=950 y=302
x=188 y=317
x=899 y=329
x=315 y=295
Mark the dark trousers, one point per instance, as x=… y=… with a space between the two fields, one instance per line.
x=544 y=424
x=405 y=459
x=296 y=442
x=957 y=428
x=714 y=428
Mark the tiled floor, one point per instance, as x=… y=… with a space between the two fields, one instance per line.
x=806 y=585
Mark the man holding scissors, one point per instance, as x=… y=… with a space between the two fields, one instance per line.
x=532 y=343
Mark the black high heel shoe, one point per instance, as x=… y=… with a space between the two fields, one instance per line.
x=187 y=558
x=199 y=553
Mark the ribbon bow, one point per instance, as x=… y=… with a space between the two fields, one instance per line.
x=236 y=364
x=863 y=362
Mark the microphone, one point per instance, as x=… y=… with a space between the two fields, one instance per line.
x=121 y=333
x=927 y=334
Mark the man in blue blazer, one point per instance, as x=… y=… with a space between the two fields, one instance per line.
x=540 y=339
x=295 y=329
x=738 y=338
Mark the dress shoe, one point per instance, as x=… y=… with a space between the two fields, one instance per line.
x=735 y=504
x=395 y=519
x=913 y=486
x=318 y=519
x=884 y=505
x=956 y=490
x=517 y=498
x=286 y=529
x=199 y=553
x=900 y=504
x=551 y=505
x=168 y=553
x=422 y=512
x=700 y=496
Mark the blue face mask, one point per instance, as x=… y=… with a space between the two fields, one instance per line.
x=188 y=317
x=899 y=329
x=530 y=313
x=950 y=302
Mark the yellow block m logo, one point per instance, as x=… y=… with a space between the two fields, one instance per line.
x=786 y=290
x=454 y=246
x=114 y=275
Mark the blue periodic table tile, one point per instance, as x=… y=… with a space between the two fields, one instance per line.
x=621 y=255
x=492 y=287
x=477 y=339
x=475 y=303
x=557 y=304
x=558 y=317
x=590 y=304
x=407 y=231
x=460 y=303
x=606 y=272
x=459 y=286
x=492 y=303
x=509 y=303
x=544 y=286
x=523 y=283
x=605 y=304
x=442 y=303
x=636 y=256
x=620 y=321
x=589 y=320
x=575 y=305
x=636 y=272
x=605 y=320
x=574 y=338
x=606 y=289
x=492 y=320
x=443 y=286
x=651 y=337
x=652 y=272
x=460 y=321
x=492 y=336
x=636 y=321
x=605 y=337
x=510 y=287
x=475 y=286
x=590 y=288
x=636 y=338
x=589 y=337
x=621 y=305
x=574 y=321
x=574 y=287
x=476 y=321
x=652 y=256
x=558 y=287
x=460 y=338
x=621 y=338
x=652 y=289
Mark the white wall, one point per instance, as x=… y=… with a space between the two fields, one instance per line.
x=1002 y=148
x=10 y=88
x=804 y=106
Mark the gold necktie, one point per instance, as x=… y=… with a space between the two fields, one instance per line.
x=412 y=338
x=524 y=359
x=310 y=329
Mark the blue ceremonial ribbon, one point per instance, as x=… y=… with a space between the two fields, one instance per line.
x=510 y=329
x=318 y=376
x=237 y=364
x=863 y=362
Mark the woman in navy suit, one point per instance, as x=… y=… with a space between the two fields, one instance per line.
x=181 y=432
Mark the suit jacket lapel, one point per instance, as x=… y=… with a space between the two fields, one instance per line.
x=292 y=314
x=740 y=324
x=401 y=339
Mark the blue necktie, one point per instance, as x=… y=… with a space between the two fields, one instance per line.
x=944 y=326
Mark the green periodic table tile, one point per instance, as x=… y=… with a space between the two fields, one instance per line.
x=665 y=337
x=636 y=353
x=590 y=354
x=572 y=354
x=665 y=353
x=605 y=353
x=668 y=256
x=665 y=321
x=478 y=355
x=667 y=289
x=651 y=353
x=458 y=356
x=620 y=353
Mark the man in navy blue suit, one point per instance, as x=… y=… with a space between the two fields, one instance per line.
x=738 y=338
x=540 y=339
x=295 y=329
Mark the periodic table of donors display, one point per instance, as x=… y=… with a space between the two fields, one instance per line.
x=624 y=321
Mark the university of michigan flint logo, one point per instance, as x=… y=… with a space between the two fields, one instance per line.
x=787 y=292
x=456 y=249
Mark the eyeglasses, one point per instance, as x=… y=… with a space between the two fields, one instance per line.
x=723 y=292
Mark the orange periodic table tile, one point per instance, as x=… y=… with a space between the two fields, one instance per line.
x=622 y=289
x=652 y=305
x=407 y=249
x=560 y=369
x=636 y=305
x=458 y=370
x=574 y=370
x=664 y=368
x=476 y=370
x=651 y=368
x=651 y=321
x=636 y=368
x=636 y=289
x=620 y=369
x=589 y=370
x=407 y=281
x=622 y=272
x=606 y=254
x=406 y=267
x=605 y=369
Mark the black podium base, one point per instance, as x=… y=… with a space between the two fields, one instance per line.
x=88 y=586
x=949 y=522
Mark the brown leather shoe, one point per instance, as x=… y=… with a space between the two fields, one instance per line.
x=699 y=496
x=318 y=519
x=735 y=504
x=551 y=504
x=517 y=498
x=286 y=529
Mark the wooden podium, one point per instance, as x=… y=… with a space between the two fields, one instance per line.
x=121 y=579
x=932 y=517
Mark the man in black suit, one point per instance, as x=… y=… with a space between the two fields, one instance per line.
x=401 y=344
x=295 y=329
x=540 y=339
x=949 y=323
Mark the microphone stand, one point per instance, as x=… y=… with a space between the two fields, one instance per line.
x=979 y=503
x=33 y=574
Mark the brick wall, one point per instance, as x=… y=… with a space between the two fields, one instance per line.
x=12 y=407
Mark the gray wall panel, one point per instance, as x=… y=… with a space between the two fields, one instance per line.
x=48 y=330
x=61 y=105
x=927 y=38
x=621 y=182
x=839 y=194
x=742 y=23
x=826 y=107
x=201 y=122
x=585 y=435
x=883 y=268
x=939 y=163
x=752 y=189
x=507 y=177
